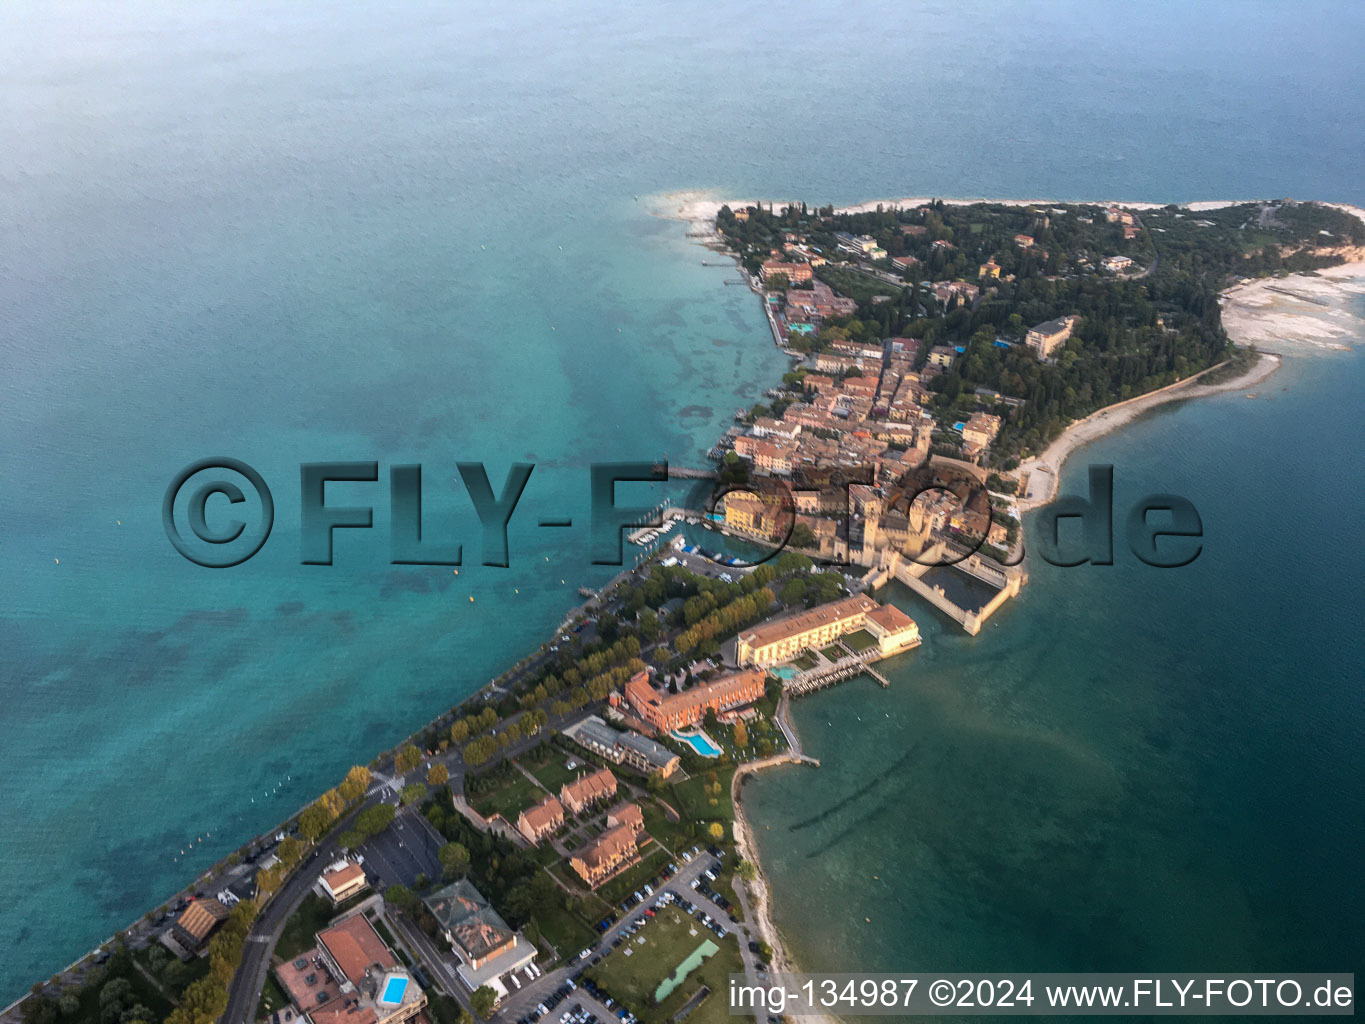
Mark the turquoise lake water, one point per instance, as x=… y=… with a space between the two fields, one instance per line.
x=299 y=233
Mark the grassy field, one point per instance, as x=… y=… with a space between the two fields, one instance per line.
x=655 y=952
x=552 y=773
x=299 y=931
x=860 y=640
x=142 y=991
x=509 y=799
x=651 y=860
x=272 y=997
x=695 y=804
x=673 y=835
x=566 y=931
x=805 y=662
x=833 y=652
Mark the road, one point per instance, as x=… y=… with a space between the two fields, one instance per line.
x=245 y=989
x=404 y=851
x=524 y=1001
x=399 y=854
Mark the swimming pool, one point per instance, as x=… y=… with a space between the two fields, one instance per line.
x=699 y=742
x=959 y=425
x=394 y=987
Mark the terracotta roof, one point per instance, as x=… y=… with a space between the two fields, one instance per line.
x=199 y=918
x=609 y=845
x=339 y=1011
x=355 y=945
x=891 y=618
x=803 y=622
x=737 y=686
x=544 y=815
x=627 y=814
x=597 y=786
x=342 y=877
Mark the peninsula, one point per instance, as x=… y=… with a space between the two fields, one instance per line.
x=572 y=834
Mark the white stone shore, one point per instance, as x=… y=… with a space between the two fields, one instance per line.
x=1281 y=316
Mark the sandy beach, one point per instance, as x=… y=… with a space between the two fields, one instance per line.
x=1292 y=315
x=699 y=208
x=1282 y=317
x=1044 y=471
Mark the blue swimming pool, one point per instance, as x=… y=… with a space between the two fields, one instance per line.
x=394 y=989
x=958 y=425
x=699 y=742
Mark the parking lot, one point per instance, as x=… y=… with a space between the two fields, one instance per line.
x=561 y=997
x=403 y=851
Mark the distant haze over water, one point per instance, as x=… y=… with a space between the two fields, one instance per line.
x=296 y=233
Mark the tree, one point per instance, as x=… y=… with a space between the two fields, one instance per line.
x=414 y=793
x=802 y=536
x=401 y=897
x=454 y=860
x=354 y=785
x=313 y=821
x=747 y=870
x=407 y=759
x=716 y=830
x=483 y=1001
x=741 y=735
x=439 y=774
x=479 y=750
x=373 y=820
x=459 y=731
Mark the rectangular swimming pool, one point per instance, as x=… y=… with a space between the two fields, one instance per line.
x=394 y=989
x=700 y=743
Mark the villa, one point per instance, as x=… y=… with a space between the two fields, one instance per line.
x=487 y=948
x=893 y=629
x=608 y=854
x=351 y=977
x=586 y=790
x=341 y=881
x=628 y=748
x=779 y=640
x=535 y=823
x=1046 y=337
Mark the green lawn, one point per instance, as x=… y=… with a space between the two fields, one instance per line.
x=552 y=773
x=272 y=997
x=142 y=991
x=303 y=925
x=674 y=835
x=654 y=954
x=861 y=640
x=174 y=975
x=509 y=799
x=833 y=652
x=566 y=931
x=695 y=804
x=805 y=662
x=653 y=858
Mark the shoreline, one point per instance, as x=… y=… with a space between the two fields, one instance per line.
x=759 y=893
x=698 y=207
x=1254 y=319
x=1245 y=299
x=1048 y=464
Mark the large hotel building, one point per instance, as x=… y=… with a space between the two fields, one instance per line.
x=780 y=640
x=665 y=711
